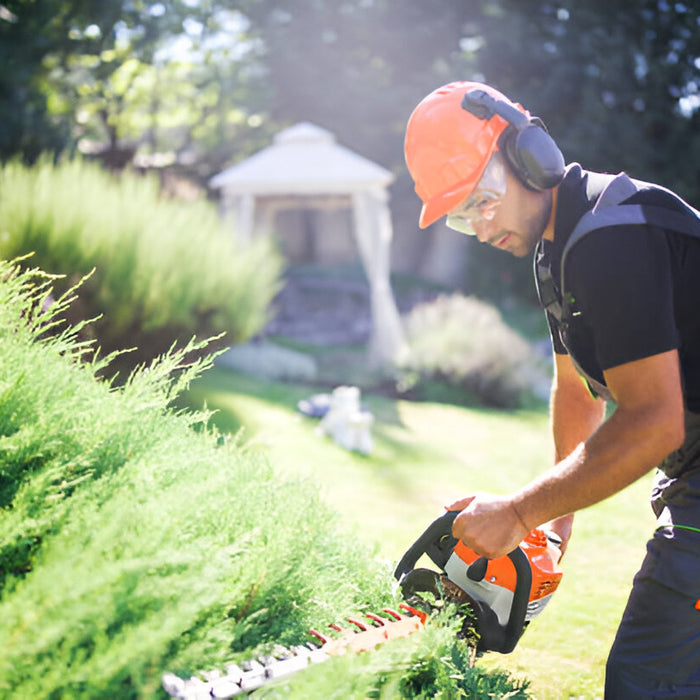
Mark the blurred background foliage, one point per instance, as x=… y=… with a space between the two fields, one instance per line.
x=190 y=86
x=492 y=364
x=151 y=271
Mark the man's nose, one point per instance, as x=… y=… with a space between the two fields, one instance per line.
x=483 y=230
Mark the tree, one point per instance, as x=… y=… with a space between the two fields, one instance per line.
x=616 y=82
x=122 y=72
x=27 y=30
x=190 y=93
x=357 y=68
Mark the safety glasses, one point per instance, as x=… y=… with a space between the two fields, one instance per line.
x=483 y=203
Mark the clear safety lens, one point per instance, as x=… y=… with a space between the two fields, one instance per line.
x=483 y=202
x=482 y=208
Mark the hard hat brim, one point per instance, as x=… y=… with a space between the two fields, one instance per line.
x=441 y=206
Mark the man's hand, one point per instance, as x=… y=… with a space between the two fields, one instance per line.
x=488 y=524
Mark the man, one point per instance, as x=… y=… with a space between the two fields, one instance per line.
x=626 y=320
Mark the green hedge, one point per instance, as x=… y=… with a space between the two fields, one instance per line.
x=164 y=270
x=135 y=539
x=133 y=544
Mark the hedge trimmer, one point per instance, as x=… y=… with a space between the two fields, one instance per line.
x=499 y=598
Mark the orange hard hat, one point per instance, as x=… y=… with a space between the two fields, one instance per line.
x=447 y=147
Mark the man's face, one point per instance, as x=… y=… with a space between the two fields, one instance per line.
x=514 y=222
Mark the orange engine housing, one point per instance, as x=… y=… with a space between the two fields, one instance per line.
x=543 y=555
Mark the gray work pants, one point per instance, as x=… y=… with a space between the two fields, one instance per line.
x=656 y=653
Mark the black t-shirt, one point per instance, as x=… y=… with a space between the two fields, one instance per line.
x=636 y=287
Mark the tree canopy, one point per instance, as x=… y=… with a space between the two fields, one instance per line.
x=202 y=83
x=618 y=83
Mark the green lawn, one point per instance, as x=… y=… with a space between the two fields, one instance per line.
x=428 y=454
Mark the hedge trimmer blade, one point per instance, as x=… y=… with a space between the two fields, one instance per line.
x=364 y=635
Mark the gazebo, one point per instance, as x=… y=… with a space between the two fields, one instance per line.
x=306 y=170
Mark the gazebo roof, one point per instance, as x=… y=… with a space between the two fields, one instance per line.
x=303 y=159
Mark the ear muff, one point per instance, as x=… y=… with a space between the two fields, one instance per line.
x=529 y=150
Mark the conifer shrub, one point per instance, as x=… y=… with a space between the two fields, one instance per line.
x=164 y=270
x=137 y=540
x=463 y=345
x=131 y=543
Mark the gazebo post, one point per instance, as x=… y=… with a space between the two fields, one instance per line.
x=373 y=232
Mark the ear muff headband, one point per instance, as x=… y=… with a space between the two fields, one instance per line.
x=529 y=150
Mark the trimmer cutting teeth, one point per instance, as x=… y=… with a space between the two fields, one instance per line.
x=363 y=635
x=500 y=597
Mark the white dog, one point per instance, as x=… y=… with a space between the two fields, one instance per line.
x=346 y=422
